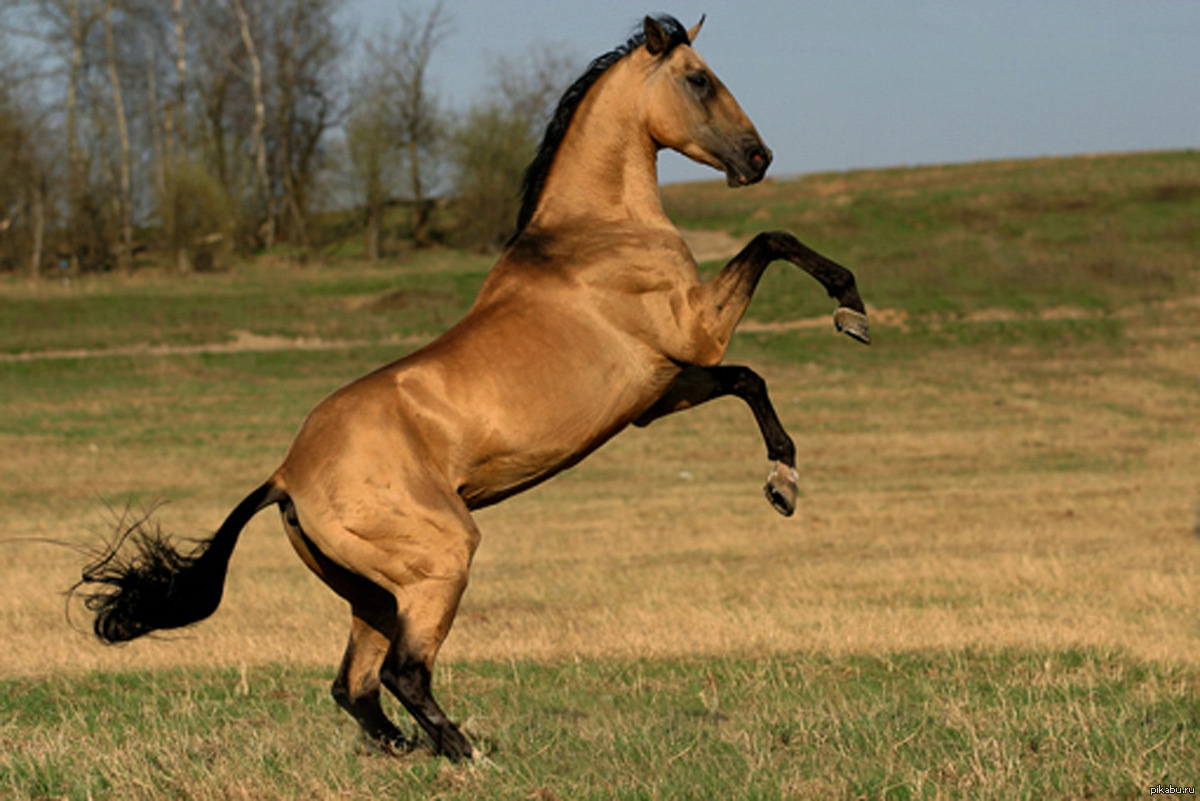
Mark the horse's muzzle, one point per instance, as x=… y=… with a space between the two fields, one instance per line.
x=749 y=164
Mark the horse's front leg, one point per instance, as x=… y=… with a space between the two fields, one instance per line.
x=696 y=385
x=723 y=300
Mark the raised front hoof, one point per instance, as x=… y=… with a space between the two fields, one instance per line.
x=781 y=489
x=853 y=324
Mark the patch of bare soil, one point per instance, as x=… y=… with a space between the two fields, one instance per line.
x=407 y=299
x=712 y=245
x=246 y=341
x=242 y=342
x=899 y=317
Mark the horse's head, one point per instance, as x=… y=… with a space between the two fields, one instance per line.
x=691 y=111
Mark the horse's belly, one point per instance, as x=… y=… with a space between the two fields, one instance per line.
x=506 y=462
x=544 y=427
x=526 y=392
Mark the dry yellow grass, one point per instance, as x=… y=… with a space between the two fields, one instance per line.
x=995 y=497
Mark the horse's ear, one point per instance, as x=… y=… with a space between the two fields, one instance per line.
x=657 y=40
x=694 y=31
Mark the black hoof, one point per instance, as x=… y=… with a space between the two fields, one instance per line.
x=392 y=743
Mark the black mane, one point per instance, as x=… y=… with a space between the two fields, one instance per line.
x=539 y=168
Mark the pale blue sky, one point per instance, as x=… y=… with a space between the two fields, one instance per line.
x=863 y=83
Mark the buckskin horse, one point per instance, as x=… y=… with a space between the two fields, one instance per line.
x=593 y=319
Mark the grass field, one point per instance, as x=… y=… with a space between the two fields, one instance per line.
x=990 y=588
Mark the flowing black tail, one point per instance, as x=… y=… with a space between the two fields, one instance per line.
x=157 y=586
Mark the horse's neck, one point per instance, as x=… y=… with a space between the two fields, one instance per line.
x=606 y=167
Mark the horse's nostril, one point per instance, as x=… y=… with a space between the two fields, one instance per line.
x=758 y=155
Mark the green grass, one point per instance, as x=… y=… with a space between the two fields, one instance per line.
x=1095 y=233
x=922 y=340
x=990 y=389
x=911 y=725
x=346 y=301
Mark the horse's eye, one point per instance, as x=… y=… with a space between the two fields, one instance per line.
x=699 y=81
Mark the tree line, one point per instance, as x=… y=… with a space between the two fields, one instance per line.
x=196 y=130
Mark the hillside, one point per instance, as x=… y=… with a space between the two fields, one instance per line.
x=1094 y=232
x=990 y=587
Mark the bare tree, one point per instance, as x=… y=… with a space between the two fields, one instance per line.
x=372 y=153
x=125 y=195
x=176 y=144
x=25 y=167
x=418 y=121
x=493 y=142
x=224 y=143
x=179 y=22
x=258 y=143
x=307 y=48
x=386 y=147
x=531 y=83
x=63 y=28
x=490 y=148
x=224 y=107
x=288 y=61
x=22 y=182
x=157 y=145
x=79 y=21
x=37 y=210
x=87 y=66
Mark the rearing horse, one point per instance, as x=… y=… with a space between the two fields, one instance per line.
x=594 y=318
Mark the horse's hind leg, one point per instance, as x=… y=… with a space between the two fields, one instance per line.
x=357 y=686
x=696 y=385
x=407 y=671
x=403 y=544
